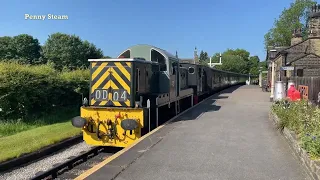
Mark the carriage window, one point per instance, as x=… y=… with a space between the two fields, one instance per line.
x=191 y=70
x=126 y=54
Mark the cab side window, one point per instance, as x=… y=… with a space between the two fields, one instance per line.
x=157 y=57
x=125 y=54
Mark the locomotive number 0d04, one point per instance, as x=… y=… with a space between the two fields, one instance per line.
x=120 y=95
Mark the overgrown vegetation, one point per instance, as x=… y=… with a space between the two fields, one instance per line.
x=33 y=91
x=304 y=120
x=41 y=88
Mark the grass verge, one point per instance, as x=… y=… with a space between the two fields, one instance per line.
x=304 y=120
x=10 y=127
x=35 y=139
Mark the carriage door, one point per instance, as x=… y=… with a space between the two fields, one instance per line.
x=200 y=80
x=172 y=80
x=204 y=81
x=177 y=73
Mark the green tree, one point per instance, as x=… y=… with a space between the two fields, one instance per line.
x=6 y=49
x=238 y=52
x=253 y=65
x=294 y=17
x=69 y=51
x=239 y=58
x=26 y=48
x=203 y=59
x=264 y=65
x=23 y=48
x=215 y=58
x=233 y=63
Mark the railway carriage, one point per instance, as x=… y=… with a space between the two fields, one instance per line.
x=132 y=94
x=205 y=80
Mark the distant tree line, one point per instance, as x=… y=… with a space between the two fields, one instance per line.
x=60 y=50
x=238 y=60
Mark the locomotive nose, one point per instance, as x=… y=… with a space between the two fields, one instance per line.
x=78 y=122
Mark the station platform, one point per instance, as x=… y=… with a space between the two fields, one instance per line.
x=226 y=137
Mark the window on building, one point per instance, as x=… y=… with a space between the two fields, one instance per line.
x=299 y=72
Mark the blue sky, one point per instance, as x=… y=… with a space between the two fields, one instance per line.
x=210 y=25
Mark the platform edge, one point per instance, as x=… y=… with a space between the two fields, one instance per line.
x=108 y=160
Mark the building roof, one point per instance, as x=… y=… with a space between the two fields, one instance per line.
x=311 y=55
x=273 y=52
x=285 y=50
x=187 y=60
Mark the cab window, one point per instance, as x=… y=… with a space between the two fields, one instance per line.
x=159 y=58
x=126 y=54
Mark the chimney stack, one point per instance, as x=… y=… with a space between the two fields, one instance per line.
x=314 y=21
x=296 y=36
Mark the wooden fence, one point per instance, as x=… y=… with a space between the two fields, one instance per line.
x=309 y=87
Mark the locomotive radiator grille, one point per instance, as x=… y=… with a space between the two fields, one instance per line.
x=110 y=84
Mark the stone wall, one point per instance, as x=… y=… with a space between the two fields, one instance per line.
x=310 y=65
x=314 y=27
x=314 y=46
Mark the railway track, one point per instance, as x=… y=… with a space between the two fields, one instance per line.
x=76 y=165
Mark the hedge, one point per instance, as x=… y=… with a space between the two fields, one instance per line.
x=27 y=90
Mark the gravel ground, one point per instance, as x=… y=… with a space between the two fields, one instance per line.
x=30 y=170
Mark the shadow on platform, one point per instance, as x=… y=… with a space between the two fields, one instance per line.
x=207 y=105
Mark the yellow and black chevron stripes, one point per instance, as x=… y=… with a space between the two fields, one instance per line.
x=111 y=77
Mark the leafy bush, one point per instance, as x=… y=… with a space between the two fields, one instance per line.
x=304 y=120
x=27 y=90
